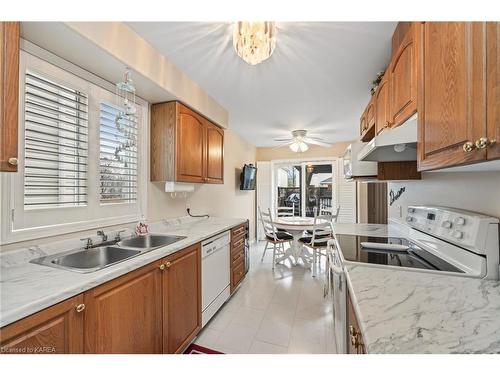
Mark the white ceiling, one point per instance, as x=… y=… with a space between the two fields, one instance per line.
x=318 y=77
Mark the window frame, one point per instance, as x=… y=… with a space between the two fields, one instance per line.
x=18 y=225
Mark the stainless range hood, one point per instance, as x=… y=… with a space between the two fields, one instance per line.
x=398 y=144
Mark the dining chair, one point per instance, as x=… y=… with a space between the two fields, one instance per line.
x=284 y=211
x=322 y=232
x=327 y=213
x=273 y=236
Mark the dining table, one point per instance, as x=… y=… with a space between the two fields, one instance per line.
x=296 y=225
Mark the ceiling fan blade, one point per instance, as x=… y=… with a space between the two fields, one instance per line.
x=283 y=139
x=282 y=145
x=314 y=141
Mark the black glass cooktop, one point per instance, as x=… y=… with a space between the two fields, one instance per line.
x=405 y=253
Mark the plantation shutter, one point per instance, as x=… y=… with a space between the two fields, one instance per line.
x=56 y=140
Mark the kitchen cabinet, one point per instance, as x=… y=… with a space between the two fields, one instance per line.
x=355 y=344
x=493 y=89
x=9 y=95
x=181 y=299
x=125 y=314
x=185 y=146
x=402 y=73
x=215 y=154
x=452 y=103
x=57 y=329
x=382 y=106
x=368 y=121
x=237 y=261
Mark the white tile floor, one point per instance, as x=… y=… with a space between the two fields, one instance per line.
x=273 y=312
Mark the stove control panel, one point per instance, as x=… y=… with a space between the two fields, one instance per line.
x=464 y=228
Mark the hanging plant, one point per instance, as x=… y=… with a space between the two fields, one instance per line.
x=377 y=81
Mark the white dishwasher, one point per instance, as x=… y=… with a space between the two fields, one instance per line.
x=215 y=274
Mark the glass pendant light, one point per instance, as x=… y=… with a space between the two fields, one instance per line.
x=254 y=42
x=299 y=146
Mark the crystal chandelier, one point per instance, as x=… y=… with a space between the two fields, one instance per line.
x=254 y=42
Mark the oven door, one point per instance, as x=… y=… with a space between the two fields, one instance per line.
x=339 y=299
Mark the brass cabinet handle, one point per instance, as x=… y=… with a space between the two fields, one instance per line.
x=168 y=264
x=484 y=142
x=388 y=124
x=13 y=161
x=80 y=307
x=162 y=266
x=468 y=146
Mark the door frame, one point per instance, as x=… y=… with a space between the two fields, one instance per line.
x=303 y=163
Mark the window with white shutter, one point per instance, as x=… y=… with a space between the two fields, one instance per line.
x=83 y=164
x=56 y=144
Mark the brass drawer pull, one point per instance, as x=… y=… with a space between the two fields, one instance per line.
x=80 y=307
x=168 y=264
x=468 y=146
x=162 y=266
x=484 y=142
x=13 y=161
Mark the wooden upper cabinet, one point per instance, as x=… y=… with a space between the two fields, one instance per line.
x=181 y=299
x=452 y=92
x=57 y=329
x=185 y=146
x=9 y=95
x=215 y=154
x=403 y=78
x=362 y=124
x=368 y=121
x=382 y=106
x=125 y=314
x=493 y=89
x=190 y=146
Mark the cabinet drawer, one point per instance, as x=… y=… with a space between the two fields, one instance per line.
x=238 y=242
x=237 y=255
x=238 y=231
x=238 y=273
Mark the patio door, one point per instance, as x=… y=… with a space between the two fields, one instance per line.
x=304 y=185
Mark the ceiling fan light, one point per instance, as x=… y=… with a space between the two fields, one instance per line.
x=254 y=42
x=299 y=146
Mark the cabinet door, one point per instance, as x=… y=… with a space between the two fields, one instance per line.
x=57 y=329
x=362 y=124
x=382 y=106
x=9 y=95
x=452 y=106
x=181 y=299
x=215 y=154
x=493 y=89
x=403 y=76
x=125 y=314
x=190 y=146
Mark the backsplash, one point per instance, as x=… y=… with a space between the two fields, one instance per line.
x=473 y=191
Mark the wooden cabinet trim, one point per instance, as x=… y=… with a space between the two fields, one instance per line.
x=214 y=154
x=37 y=326
x=493 y=88
x=382 y=105
x=9 y=94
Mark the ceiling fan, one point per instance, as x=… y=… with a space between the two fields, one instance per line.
x=300 y=141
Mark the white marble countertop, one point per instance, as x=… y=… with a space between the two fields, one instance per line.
x=26 y=288
x=409 y=311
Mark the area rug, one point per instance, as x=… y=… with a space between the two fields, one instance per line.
x=197 y=349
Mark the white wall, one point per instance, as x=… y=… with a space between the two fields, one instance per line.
x=474 y=191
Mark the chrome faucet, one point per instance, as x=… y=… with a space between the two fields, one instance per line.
x=104 y=237
x=88 y=242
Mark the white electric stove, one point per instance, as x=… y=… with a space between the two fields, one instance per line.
x=440 y=240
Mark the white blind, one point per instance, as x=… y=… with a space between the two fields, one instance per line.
x=118 y=155
x=56 y=140
x=346 y=196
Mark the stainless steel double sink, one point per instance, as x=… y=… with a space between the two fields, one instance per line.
x=97 y=258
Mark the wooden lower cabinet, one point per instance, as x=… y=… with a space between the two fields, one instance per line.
x=181 y=299
x=125 y=314
x=57 y=329
x=355 y=344
x=237 y=256
x=154 y=309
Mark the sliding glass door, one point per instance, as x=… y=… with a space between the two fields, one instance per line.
x=303 y=186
